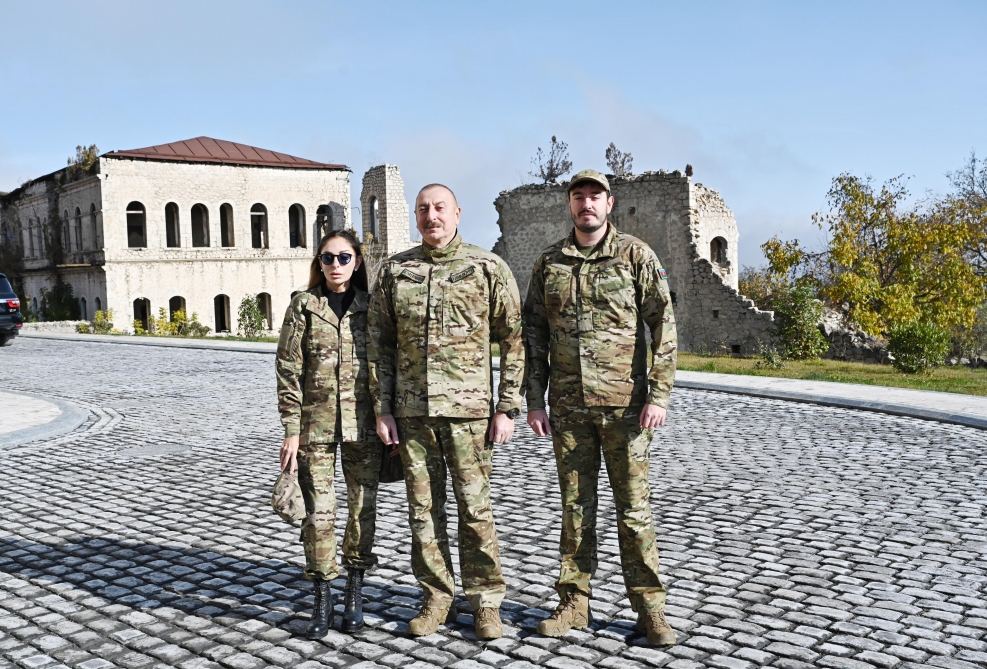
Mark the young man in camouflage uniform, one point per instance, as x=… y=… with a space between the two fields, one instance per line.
x=432 y=317
x=593 y=298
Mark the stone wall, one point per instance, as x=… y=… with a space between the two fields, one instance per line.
x=384 y=185
x=713 y=220
x=678 y=219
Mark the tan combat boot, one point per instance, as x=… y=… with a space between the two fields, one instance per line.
x=653 y=623
x=572 y=611
x=486 y=623
x=431 y=615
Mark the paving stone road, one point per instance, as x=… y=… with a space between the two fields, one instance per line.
x=791 y=535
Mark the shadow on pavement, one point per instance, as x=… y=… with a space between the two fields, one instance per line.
x=210 y=584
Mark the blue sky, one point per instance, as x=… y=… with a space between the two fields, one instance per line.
x=768 y=100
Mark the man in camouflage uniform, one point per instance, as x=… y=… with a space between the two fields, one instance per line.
x=435 y=310
x=593 y=299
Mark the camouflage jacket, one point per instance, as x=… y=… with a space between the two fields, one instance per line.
x=586 y=325
x=432 y=317
x=322 y=361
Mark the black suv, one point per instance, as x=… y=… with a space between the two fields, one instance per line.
x=10 y=312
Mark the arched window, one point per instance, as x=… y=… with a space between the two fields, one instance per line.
x=94 y=236
x=136 y=226
x=78 y=229
x=34 y=306
x=718 y=250
x=99 y=305
x=323 y=221
x=264 y=304
x=226 y=235
x=142 y=313
x=200 y=225
x=296 y=226
x=258 y=226
x=173 y=231
x=30 y=238
x=83 y=314
x=221 y=306
x=175 y=304
x=374 y=218
x=66 y=238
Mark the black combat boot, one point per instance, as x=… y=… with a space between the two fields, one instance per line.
x=322 y=612
x=353 y=601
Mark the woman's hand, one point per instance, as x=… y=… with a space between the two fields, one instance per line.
x=289 y=453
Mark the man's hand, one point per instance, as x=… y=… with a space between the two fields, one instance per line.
x=289 y=453
x=501 y=428
x=652 y=416
x=538 y=421
x=387 y=430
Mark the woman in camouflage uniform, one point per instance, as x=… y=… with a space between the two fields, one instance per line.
x=324 y=400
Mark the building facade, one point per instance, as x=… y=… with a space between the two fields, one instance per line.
x=195 y=225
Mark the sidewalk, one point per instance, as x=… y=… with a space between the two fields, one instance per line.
x=968 y=410
x=30 y=418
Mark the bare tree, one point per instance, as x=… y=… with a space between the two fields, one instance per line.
x=970 y=181
x=620 y=163
x=550 y=167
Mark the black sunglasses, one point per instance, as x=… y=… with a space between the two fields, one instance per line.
x=328 y=258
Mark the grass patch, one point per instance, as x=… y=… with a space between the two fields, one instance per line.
x=957 y=379
x=220 y=337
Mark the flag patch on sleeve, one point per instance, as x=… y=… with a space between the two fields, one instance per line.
x=662 y=273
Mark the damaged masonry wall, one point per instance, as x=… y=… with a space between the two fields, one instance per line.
x=689 y=227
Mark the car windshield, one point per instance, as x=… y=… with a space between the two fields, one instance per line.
x=5 y=286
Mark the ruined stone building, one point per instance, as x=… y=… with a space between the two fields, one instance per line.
x=689 y=227
x=193 y=225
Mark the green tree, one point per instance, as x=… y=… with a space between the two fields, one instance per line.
x=250 y=317
x=886 y=263
x=799 y=313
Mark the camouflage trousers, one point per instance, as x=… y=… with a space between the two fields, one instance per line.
x=428 y=447
x=579 y=437
x=316 y=471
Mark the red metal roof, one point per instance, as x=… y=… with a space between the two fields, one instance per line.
x=209 y=150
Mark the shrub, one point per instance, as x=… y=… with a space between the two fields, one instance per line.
x=917 y=346
x=83 y=328
x=189 y=326
x=250 y=317
x=179 y=325
x=769 y=358
x=103 y=322
x=59 y=303
x=799 y=313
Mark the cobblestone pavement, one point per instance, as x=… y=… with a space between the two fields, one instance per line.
x=791 y=535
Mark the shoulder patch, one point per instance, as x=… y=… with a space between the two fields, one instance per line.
x=662 y=273
x=459 y=276
x=411 y=276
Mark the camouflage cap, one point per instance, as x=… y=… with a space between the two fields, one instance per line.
x=589 y=175
x=287 y=500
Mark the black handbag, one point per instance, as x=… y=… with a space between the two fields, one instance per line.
x=391 y=469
